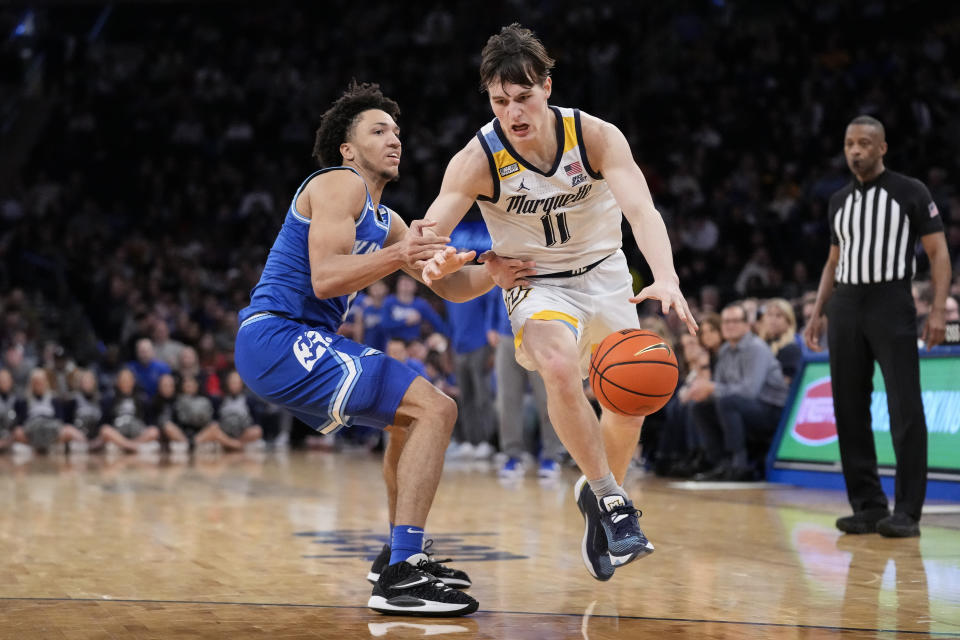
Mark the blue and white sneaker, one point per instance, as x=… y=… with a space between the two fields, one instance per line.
x=549 y=469
x=621 y=523
x=593 y=546
x=512 y=468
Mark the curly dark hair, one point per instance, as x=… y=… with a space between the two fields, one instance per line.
x=514 y=55
x=338 y=121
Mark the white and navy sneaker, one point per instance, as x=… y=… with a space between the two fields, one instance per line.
x=404 y=589
x=451 y=577
x=593 y=546
x=621 y=523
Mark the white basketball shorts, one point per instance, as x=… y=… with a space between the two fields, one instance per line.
x=592 y=305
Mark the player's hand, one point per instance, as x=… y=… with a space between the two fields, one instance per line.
x=935 y=328
x=811 y=333
x=444 y=262
x=416 y=247
x=507 y=273
x=670 y=297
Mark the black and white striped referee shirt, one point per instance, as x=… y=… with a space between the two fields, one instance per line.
x=876 y=225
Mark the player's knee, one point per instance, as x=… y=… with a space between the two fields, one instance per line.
x=445 y=409
x=559 y=370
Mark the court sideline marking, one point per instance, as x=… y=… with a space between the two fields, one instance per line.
x=782 y=625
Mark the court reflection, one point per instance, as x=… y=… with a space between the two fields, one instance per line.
x=887 y=578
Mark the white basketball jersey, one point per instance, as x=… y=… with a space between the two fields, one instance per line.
x=565 y=218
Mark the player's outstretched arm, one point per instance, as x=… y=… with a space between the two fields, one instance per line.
x=335 y=198
x=456 y=281
x=467 y=177
x=610 y=154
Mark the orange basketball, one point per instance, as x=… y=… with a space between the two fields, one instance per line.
x=633 y=372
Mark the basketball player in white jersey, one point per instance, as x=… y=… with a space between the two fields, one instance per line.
x=551 y=184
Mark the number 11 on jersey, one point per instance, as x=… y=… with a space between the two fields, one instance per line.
x=550 y=229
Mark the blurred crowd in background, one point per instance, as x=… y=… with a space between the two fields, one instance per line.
x=170 y=137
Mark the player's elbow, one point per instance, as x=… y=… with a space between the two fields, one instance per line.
x=324 y=287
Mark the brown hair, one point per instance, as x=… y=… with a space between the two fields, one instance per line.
x=514 y=55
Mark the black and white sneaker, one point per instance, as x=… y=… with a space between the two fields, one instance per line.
x=379 y=564
x=593 y=546
x=451 y=577
x=405 y=590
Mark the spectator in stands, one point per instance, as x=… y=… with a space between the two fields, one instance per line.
x=8 y=409
x=40 y=415
x=468 y=323
x=235 y=428
x=84 y=406
x=679 y=443
x=125 y=418
x=107 y=367
x=194 y=417
x=214 y=363
x=371 y=310
x=58 y=365
x=952 y=310
x=711 y=336
x=405 y=312
x=163 y=413
x=742 y=402
x=166 y=348
x=146 y=368
x=16 y=362
x=778 y=328
x=398 y=350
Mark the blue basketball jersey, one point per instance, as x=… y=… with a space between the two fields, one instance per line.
x=285 y=288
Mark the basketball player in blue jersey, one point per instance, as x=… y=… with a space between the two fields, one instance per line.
x=551 y=184
x=337 y=239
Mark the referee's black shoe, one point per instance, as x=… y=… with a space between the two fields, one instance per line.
x=899 y=525
x=404 y=589
x=863 y=521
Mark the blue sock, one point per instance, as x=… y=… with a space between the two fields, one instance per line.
x=390 y=539
x=405 y=541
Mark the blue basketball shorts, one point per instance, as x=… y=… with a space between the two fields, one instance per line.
x=325 y=379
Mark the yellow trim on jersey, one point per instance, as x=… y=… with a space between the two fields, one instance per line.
x=503 y=159
x=565 y=318
x=569 y=133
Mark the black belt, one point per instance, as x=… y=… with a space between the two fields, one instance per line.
x=579 y=271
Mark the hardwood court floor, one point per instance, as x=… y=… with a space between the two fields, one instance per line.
x=278 y=546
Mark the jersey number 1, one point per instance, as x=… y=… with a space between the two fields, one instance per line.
x=561 y=226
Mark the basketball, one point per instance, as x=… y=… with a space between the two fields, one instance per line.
x=633 y=372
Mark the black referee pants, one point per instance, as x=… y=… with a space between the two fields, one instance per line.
x=866 y=323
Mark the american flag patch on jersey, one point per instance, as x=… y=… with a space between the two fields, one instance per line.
x=573 y=168
x=932 y=208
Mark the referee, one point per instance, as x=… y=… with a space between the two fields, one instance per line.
x=874 y=225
